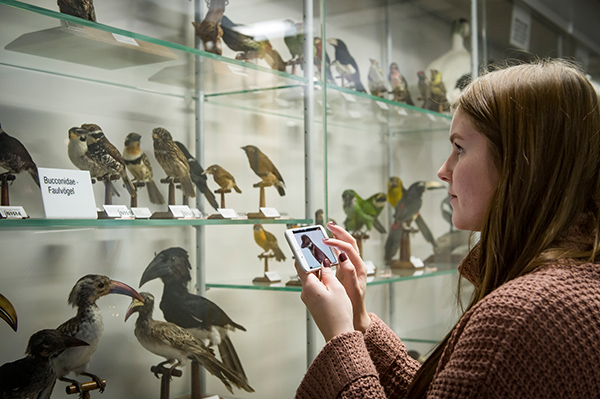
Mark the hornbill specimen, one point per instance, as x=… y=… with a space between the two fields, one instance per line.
x=198 y=315
x=177 y=344
x=27 y=377
x=8 y=312
x=86 y=325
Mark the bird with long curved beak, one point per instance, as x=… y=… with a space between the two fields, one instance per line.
x=8 y=312
x=177 y=344
x=198 y=315
x=86 y=325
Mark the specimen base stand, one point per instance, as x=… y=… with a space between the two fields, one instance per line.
x=85 y=389
x=404 y=261
x=264 y=278
x=5 y=180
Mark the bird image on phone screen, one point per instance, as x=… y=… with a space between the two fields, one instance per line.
x=316 y=252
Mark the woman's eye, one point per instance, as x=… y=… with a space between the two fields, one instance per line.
x=459 y=149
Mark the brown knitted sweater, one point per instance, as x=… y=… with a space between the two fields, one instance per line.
x=537 y=336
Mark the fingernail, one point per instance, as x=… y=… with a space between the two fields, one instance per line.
x=331 y=222
x=326 y=263
x=343 y=257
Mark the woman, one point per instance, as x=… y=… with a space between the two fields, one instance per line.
x=524 y=172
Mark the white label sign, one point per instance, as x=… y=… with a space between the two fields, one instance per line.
x=227 y=213
x=67 y=194
x=520 y=27
x=269 y=212
x=12 y=212
x=181 y=212
x=118 y=212
x=141 y=213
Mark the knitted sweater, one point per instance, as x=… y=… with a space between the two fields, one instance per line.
x=537 y=336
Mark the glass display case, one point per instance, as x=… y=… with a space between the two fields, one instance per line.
x=327 y=126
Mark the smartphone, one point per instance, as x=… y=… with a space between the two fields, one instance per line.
x=308 y=248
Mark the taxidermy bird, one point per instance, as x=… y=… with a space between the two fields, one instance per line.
x=139 y=166
x=424 y=90
x=362 y=213
x=408 y=211
x=249 y=46
x=294 y=41
x=77 y=151
x=198 y=176
x=78 y=8
x=15 y=158
x=437 y=91
x=171 y=159
x=456 y=62
x=201 y=317
x=268 y=242
x=86 y=325
x=104 y=153
x=223 y=178
x=177 y=344
x=264 y=168
x=209 y=30
x=27 y=377
x=376 y=79
x=395 y=189
x=318 y=50
x=399 y=85
x=347 y=64
x=316 y=252
x=8 y=312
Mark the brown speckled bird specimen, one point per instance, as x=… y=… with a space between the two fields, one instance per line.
x=268 y=242
x=77 y=150
x=27 y=377
x=103 y=152
x=264 y=168
x=209 y=30
x=172 y=160
x=177 y=344
x=15 y=158
x=223 y=178
x=78 y=8
x=139 y=166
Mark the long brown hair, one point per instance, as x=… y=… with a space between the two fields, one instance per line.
x=542 y=122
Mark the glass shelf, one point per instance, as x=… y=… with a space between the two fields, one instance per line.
x=113 y=223
x=386 y=276
x=346 y=108
x=47 y=41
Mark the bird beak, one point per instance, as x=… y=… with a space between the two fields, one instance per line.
x=8 y=312
x=133 y=307
x=332 y=41
x=117 y=287
x=434 y=185
x=157 y=268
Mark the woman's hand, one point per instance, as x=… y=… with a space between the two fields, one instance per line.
x=351 y=272
x=327 y=301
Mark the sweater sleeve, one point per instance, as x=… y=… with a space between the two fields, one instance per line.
x=354 y=365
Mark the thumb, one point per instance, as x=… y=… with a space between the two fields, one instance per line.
x=326 y=272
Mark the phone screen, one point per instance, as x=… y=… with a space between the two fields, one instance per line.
x=310 y=240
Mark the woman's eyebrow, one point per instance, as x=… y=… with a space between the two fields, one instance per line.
x=455 y=136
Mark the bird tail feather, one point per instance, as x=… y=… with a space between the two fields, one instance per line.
x=154 y=194
x=34 y=175
x=281 y=189
x=128 y=184
x=187 y=186
x=279 y=255
x=425 y=230
x=378 y=226
x=392 y=244
x=236 y=188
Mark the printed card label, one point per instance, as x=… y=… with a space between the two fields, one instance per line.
x=269 y=212
x=227 y=213
x=13 y=212
x=181 y=212
x=141 y=213
x=67 y=194
x=118 y=212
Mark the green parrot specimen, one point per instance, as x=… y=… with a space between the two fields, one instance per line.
x=294 y=40
x=362 y=213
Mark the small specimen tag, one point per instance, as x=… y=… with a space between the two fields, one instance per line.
x=13 y=212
